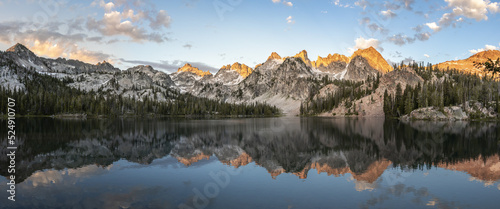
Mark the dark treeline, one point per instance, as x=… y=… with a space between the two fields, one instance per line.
x=348 y=92
x=46 y=95
x=442 y=88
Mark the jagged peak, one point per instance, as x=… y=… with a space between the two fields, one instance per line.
x=303 y=55
x=374 y=58
x=189 y=68
x=18 y=48
x=274 y=56
x=142 y=68
x=325 y=61
x=242 y=69
x=104 y=63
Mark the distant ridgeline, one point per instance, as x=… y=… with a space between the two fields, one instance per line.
x=38 y=94
x=362 y=85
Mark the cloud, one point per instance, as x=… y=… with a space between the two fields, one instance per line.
x=365 y=21
x=187 y=46
x=340 y=4
x=433 y=26
x=407 y=4
x=50 y=44
x=388 y=14
x=401 y=39
x=130 y=23
x=391 y=6
x=418 y=28
x=423 y=36
x=376 y=28
x=408 y=60
x=114 y=23
x=60 y=48
x=171 y=66
x=486 y=48
x=363 y=4
x=426 y=55
x=290 y=20
x=397 y=54
x=362 y=43
x=286 y=3
x=162 y=20
x=472 y=9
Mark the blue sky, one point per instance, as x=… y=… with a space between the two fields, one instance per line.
x=212 y=33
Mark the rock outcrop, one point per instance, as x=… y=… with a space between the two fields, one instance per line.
x=471 y=111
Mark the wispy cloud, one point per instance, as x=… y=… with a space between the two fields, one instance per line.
x=286 y=3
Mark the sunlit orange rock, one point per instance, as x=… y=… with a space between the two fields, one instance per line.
x=188 y=68
x=325 y=61
x=374 y=58
x=303 y=56
x=274 y=56
x=468 y=65
x=242 y=69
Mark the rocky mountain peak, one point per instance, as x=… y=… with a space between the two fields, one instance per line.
x=374 y=58
x=274 y=56
x=303 y=55
x=325 y=61
x=241 y=69
x=468 y=65
x=18 y=48
x=491 y=54
x=104 y=64
x=189 y=68
x=143 y=68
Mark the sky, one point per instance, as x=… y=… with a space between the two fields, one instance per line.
x=211 y=33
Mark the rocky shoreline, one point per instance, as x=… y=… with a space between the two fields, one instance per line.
x=472 y=111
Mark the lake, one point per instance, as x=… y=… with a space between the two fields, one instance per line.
x=253 y=163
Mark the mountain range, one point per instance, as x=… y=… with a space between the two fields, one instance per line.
x=286 y=82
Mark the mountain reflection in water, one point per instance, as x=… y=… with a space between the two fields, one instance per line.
x=67 y=152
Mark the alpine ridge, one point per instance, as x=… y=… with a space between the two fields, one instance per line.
x=288 y=83
x=468 y=65
x=241 y=69
x=374 y=58
x=188 y=68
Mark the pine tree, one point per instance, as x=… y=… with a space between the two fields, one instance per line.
x=399 y=100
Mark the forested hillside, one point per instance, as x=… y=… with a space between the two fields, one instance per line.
x=442 y=88
x=47 y=95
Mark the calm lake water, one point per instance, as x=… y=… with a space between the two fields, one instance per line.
x=253 y=163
